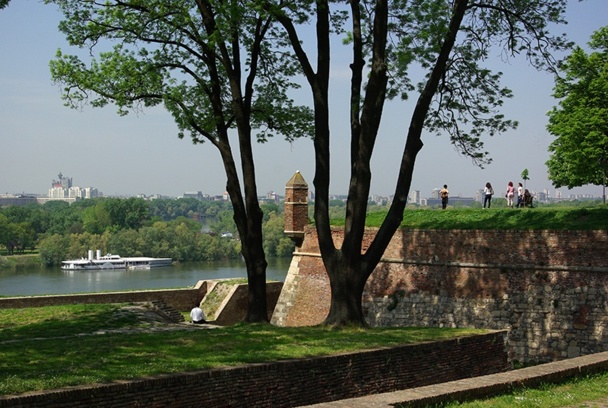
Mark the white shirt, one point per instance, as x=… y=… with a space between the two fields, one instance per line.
x=197 y=314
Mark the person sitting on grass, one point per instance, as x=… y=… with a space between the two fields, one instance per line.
x=197 y=315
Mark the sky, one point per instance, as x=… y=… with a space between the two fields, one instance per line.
x=141 y=153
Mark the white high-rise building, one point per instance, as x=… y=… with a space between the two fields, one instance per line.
x=56 y=192
x=415 y=196
x=90 y=192
x=74 y=192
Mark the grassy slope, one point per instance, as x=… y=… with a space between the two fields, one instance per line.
x=586 y=218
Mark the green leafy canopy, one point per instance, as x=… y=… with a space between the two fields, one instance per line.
x=579 y=154
x=171 y=54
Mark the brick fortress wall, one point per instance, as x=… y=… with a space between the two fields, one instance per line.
x=548 y=288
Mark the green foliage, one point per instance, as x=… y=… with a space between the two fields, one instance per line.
x=188 y=70
x=53 y=249
x=579 y=154
x=170 y=209
x=22 y=261
x=276 y=244
x=122 y=226
x=179 y=240
x=466 y=103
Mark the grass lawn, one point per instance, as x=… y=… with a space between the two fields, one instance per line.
x=575 y=218
x=52 y=347
x=570 y=393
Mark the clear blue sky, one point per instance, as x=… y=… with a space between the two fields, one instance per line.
x=39 y=137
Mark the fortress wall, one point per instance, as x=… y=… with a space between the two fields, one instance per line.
x=548 y=288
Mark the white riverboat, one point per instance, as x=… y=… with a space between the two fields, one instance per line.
x=110 y=261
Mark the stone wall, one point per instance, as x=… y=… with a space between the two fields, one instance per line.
x=548 y=288
x=179 y=299
x=233 y=309
x=291 y=383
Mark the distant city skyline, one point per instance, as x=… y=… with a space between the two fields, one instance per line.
x=64 y=188
x=141 y=154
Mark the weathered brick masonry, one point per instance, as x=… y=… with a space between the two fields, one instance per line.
x=548 y=288
x=291 y=383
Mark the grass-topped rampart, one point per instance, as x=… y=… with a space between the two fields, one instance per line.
x=545 y=218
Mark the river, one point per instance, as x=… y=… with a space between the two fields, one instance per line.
x=46 y=281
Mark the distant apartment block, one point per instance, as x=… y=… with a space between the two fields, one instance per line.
x=196 y=194
x=64 y=190
x=415 y=197
x=271 y=196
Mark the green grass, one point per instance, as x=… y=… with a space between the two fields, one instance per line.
x=44 y=348
x=19 y=261
x=65 y=320
x=578 y=218
x=570 y=393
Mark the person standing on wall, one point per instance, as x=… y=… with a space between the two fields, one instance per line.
x=510 y=194
x=520 y=196
x=444 y=193
x=488 y=192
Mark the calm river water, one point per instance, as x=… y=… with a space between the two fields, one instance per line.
x=45 y=281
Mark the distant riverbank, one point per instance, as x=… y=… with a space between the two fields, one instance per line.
x=19 y=261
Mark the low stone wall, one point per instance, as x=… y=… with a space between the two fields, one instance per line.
x=232 y=310
x=548 y=288
x=294 y=382
x=179 y=299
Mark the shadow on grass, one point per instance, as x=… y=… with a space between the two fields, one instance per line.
x=61 y=321
x=51 y=363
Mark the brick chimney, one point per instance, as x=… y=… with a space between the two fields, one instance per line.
x=296 y=208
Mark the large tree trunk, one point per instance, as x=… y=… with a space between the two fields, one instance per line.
x=257 y=311
x=347 y=284
x=256 y=260
x=248 y=219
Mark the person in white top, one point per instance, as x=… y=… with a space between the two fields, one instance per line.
x=520 y=196
x=197 y=315
x=488 y=192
